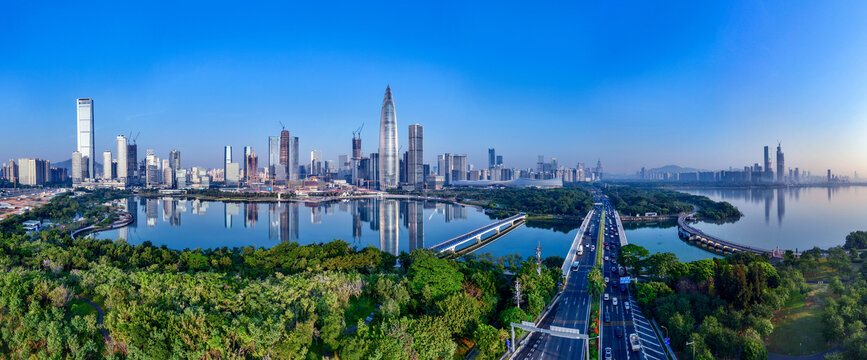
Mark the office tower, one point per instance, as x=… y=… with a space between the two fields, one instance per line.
x=599 y=169
x=829 y=175
x=492 y=158
x=77 y=170
x=343 y=162
x=122 y=161
x=356 y=147
x=175 y=160
x=767 y=162
x=285 y=153
x=402 y=167
x=167 y=176
x=85 y=135
x=293 y=154
x=251 y=164
x=373 y=171
x=499 y=160
x=415 y=157
x=315 y=163
x=132 y=169
x=780 y=164
x=106 y=165
x=388 y=160
x=232 y=174
x=227 y=157
x=797 y=175
x=275 y=170
x=444 y=167
x=247 y=152
x=459 y=167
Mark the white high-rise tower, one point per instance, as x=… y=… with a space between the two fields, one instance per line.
x=85 y=136
x=388 y=161
x=122 y=161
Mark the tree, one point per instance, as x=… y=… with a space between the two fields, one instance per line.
x=429 y=273
x=632 y=255
x=856 y=240
x=661 y=264
x=489 y=342
x=595 y=281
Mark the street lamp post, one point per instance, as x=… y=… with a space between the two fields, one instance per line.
x=666 y=330
x=693 y=348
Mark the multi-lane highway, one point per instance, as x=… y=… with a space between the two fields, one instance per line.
x=620 y=315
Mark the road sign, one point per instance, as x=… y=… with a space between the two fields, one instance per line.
x=527 y=323
x=667 y=341
x=624 y=280
x=565 y=330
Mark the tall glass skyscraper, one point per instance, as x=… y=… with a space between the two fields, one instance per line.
x=415 y=157
x=388 y=161
x=85 y=136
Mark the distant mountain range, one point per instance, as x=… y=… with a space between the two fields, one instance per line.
x=673 y=169
x=67 y=164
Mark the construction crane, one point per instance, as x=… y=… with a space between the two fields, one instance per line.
x=281 y=125
x=357 y=132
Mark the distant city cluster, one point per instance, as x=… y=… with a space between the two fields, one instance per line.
x=387 y=168
x=763 y=173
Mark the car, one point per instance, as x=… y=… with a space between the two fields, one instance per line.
x=606 y=279
x=614 y=301
x=613 y=261
x=614 y=281
x=608 y=353
x=607 y=317
x=623 y=288
x=626 y=305
x=575 y=266
x=606 y=258
x=618 y=331
x=605 y=297
x=592 y=247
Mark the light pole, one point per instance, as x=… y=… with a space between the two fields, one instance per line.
x=666 y=330
x=693 y=348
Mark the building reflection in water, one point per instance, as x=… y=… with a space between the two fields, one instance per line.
x=229 y=210
x=251 y=211
x=151 y=210
x=415 y=219
x=781 y=206
x=388 y=226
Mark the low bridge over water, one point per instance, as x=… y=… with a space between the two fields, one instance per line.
x=689 y=233
x=477 y=235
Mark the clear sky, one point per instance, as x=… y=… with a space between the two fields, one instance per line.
x=649 y=83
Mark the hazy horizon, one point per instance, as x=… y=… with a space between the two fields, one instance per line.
x=696 y=85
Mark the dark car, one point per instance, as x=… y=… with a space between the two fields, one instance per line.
x=607 y=317
x=622 y=287
x=618 y=331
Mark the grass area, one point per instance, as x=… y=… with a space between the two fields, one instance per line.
x=81 y=308
x=798 y=325
x=600 y=249
x=822 y=273
x=359 y=308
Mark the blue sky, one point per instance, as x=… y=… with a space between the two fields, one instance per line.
x=698 y=84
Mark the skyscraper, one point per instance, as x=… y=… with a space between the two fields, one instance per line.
x=106 y=165
x=459 y=167
x=767 y=162
x=175 y=160
x=227 y=156
x=122 y=159
x=415 y=157
x=252 y=164
x=285 y=153
x=275 y=170
x=77 y=167
x=247 y=152
x=293 y=154
x=85 y=135
x=492 y=158
x=315 y=163
x=388 y=160
x=780 y=163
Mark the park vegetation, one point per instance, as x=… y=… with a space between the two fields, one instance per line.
x=572 y=202
x=637 y=201
x=290 y=301
x=724 y=305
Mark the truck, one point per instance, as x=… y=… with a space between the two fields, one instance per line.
x=634 y=343
x=580 y=250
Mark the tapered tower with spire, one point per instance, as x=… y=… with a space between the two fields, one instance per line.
x=388 y=160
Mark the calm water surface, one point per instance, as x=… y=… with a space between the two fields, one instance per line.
x=390 y=225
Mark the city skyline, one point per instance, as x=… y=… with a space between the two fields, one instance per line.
x=804 y=89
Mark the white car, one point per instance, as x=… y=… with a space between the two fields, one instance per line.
x=605 y=297
x=614 y=301
x=626 y=305
x=606 y=257
x=606 y=279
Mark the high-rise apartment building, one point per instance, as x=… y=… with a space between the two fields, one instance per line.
x=33 y=171
x=459 y=167
x=415 y=157
x=122 y=159
x=388 y=158
x=77 y=167
x=12 y=172
x=293 y=168
x=85 y=135
x=106 y=165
